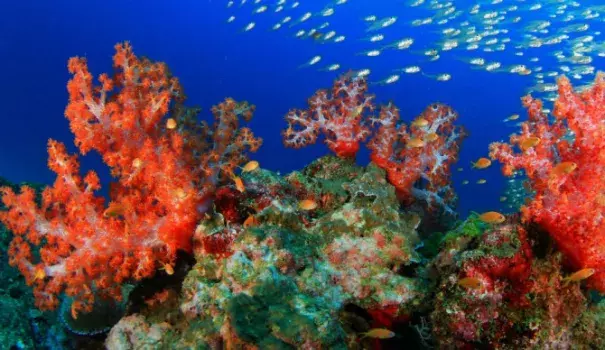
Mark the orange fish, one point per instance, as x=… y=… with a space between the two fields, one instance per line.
x=492 y=217
x=250 y=221
x=239 y=184
x=415 y=143
x=564 y=168
x=168 y=268
x=137 y=163
x=482 y=163
x=378 y=333
x=432 y=137
x=307 y=204
x=180 y=193
x=529 y=142
x=250 y=166
x=580 y=275
x=420 y=122
x=470 y=283
x=114 y=210
x=170 y=124
x=74 y=310
x=40 y=274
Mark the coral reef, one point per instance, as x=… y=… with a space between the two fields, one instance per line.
x=417 y=160
x=566 y=175
x=72 y=242
x=197 y=250
x=290 y=276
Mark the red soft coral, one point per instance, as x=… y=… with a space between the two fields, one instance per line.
x=339 y=116
x=163 y=185
x=423 y=152
x=566 y=172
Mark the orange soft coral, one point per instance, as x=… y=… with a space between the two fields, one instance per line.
x=566 y=171
x=163 y=188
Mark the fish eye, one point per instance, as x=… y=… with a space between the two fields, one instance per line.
x=434 y=107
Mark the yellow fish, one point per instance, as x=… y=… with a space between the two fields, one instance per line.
x=482 y=163
x=564 y=168
x=470 y=283
x=114 y=210
x=250 y=221
x=307 y=204
x=250 y=166
x=420 y=122
x=170 y=124
x=239 y=184
x=378 y=333
x=492 y=217
x=529 y=142
x=415 y=143
x=580 y=275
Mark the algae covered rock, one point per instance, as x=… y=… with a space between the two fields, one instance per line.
x=286 y=280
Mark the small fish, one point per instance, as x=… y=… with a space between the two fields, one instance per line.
x=444 y=77
x=168 y=268
x=378 y=333
x=249 y=27
x=482 y=163
x=481 y=181
x=470 y=283
x=564 y=168
x=250 y=221
x=239 y=184
x=492 y=217
x=580 y=275
x=389 y=80
x=250 y=166
x=431 y=137
x=40 y=274
x=137 y=163
x=465 y=182
x=411 y=69
x=307 y=204
x=512 y=117
x=503 y=199
x=170 y=124
x=311 y=62
x=420 y=122
x=460 y=169
x=180 y=193
x=114 y=210
x=415 y=143
x=529 y=142
x=333 y=67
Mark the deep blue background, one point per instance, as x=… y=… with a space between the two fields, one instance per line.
x=214 y=59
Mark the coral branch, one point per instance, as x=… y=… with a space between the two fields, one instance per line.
x=339 y=116
x=72 y=242
x=566 y=171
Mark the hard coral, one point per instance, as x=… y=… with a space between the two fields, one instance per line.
x=565 y=172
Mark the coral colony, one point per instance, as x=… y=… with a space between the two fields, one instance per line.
x=332 y=256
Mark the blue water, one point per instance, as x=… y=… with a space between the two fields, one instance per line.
x=214 y=59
